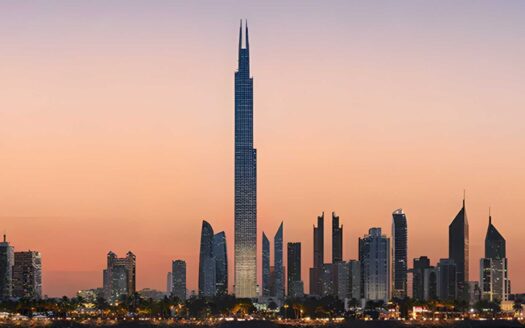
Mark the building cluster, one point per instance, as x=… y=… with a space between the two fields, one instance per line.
x=381 y=271
x=20 y=273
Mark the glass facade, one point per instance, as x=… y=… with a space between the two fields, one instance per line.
x=245 y=250
x=399 y=254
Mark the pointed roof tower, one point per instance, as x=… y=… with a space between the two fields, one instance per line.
x=495 y=244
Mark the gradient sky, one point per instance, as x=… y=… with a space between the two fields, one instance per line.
x=116 y=126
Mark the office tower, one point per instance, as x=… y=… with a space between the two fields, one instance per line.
x=446 y=280
x=7 y=258
x=221 y=263
x=265 y=266
x=458 y=250
x=374 y=255
x=316 y=270
x=399 y=254
x=342 y=280
x=119 y=276
x=418 y=280
x=354 y=282
x=27 y=275
x=430 y=277
x=327 y=280
x=178 y=271
x=295 y=284
x=169 y=283
x=278 y=263
x=207 y=269
x=494 y=276
x=245 y=179
x=337 y=239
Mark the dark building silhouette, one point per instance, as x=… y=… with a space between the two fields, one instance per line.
x=245 y=250
x=207 y=268
x=399 y=254
x=337 y=239
x=495 y=244
x=424 y=280
x=178 y=275
x=221 y=263
x=446 y=280
x=295 y=284
x=119 y=276
x=278 y=264
x=7 y=258
x=418 y=282
x=458 y=251
x=317 y=270
x=265 y=266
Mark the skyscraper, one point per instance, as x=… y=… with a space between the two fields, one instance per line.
x=265 y=266
x=317 y=270
x=458 y=250
x=295 y=284
x=354 y=276
x=207 y=269
x=119 y=276
x=27 y=275
x=337 y=239
x=374 y=255
x=221 y=263
x=278 y=263
x=245 y=178
x=178 y=272
x=399 y=254
x=446 y=280
x=494 y=275
x=7 y=259
x=418 y=281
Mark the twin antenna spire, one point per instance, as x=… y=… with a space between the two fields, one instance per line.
x=246 y=43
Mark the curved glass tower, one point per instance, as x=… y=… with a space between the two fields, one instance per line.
x=245 y=250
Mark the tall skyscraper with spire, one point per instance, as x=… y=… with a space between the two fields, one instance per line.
x=458 y=250
x=245 y=250
x=494 y=274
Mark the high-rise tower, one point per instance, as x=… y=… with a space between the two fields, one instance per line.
x=399 y=254
x=458 y=250
x=316 y=270
x=494 y=273
x=337 y=239
x=245 y=178
x=265 y=266
x=278 y=263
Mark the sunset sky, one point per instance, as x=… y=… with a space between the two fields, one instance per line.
x=116 y=126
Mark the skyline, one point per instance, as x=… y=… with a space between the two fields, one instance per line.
x=84 y=162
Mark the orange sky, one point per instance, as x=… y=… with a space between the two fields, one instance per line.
x=116 y=127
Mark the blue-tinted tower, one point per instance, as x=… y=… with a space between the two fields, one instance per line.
x=245 y=250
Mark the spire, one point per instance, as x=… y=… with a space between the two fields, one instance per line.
x=5 y=238
x=247 y=44
x=490 y=217
x=240 y=36
x=464 y=197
